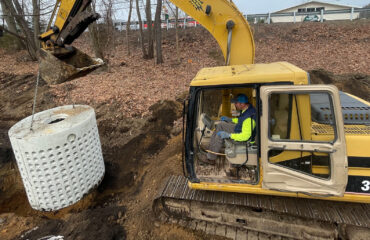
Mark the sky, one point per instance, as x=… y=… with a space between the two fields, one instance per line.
x=120 y=7
x=265 y=6
x=251 y=6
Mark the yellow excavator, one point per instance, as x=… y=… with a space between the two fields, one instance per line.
x=60 y=61
x=306 y=175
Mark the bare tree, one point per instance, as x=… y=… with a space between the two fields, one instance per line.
x=148 y=12
x=177 y=34
x=16 y=11
x=10 y=22
x=109 y=28
x=36 y=20
x=145 y=56
x=94 y=35
x=158 y=32
x=128 y=28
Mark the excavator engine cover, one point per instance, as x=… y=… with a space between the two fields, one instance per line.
x=65 y=67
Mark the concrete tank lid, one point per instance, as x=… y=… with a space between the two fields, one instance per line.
x=51 y=121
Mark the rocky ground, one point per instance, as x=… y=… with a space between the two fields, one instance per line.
x=138 y=108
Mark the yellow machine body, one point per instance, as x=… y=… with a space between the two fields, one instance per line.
x=357 y=137
x=220 y=13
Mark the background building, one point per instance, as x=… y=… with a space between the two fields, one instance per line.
x=313 y=8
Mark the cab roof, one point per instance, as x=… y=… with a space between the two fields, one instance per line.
x=250 y=73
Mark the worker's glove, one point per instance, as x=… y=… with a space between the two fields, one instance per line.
x=223 y=134
x=225 y=119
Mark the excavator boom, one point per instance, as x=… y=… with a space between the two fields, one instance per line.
x=60 y=63
x=218 y=17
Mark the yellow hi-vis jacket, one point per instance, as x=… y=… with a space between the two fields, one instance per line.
x=247 y=128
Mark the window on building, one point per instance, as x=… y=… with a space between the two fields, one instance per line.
x=301 y=9
x=319 y=9
x=310 y=9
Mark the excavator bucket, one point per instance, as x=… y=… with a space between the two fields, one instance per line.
x=58 y=69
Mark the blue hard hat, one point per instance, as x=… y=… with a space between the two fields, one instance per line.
x=241 y=98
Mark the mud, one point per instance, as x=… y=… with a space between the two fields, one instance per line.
x=126 y=161
x=98 y=223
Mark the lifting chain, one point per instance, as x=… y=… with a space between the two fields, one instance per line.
x=34 y=98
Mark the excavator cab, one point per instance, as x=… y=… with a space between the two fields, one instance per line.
x=298 y=147
x=237 y=160
x=59 y=61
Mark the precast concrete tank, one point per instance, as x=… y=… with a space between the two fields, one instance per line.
x=60 y=158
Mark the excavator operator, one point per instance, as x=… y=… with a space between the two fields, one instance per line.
x=240 y=129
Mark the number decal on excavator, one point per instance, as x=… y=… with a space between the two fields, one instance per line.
x=198 y=4
x=365 y=185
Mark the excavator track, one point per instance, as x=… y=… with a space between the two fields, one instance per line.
x=249 y=216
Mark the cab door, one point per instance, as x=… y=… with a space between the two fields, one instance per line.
x=303 y=146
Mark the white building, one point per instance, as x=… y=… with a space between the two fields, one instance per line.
x=313 y=8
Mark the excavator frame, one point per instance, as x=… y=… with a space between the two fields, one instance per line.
x=280 y=202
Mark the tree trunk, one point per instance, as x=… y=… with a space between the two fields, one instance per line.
x=109 y=33
x=148 y=11
x=145 y=56
x=158 y=32
x=177 y=35
x=11 y=23
x=36 y=21
x=94 y=35
x=16 y=11
x=128 y=28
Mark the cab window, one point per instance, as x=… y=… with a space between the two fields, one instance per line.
x=291 y=120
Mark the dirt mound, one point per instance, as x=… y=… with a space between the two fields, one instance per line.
x=128 y=144
x=123 y=163
x=17 y=92
x=337 y=46
x=356 y=84
x=99 y=223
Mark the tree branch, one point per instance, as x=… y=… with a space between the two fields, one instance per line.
x=26 y=15
x=12 y=33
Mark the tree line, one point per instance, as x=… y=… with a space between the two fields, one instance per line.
x=17 y=16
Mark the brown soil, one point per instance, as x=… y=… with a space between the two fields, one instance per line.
x=356 y=84
x=139 y=124
x=134 y=171
x=340 y=47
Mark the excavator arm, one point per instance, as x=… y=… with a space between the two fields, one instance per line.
x=226 y=24
x=71 y=20
x=59 y=62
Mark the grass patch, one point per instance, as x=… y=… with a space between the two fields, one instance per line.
x=8 y=42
